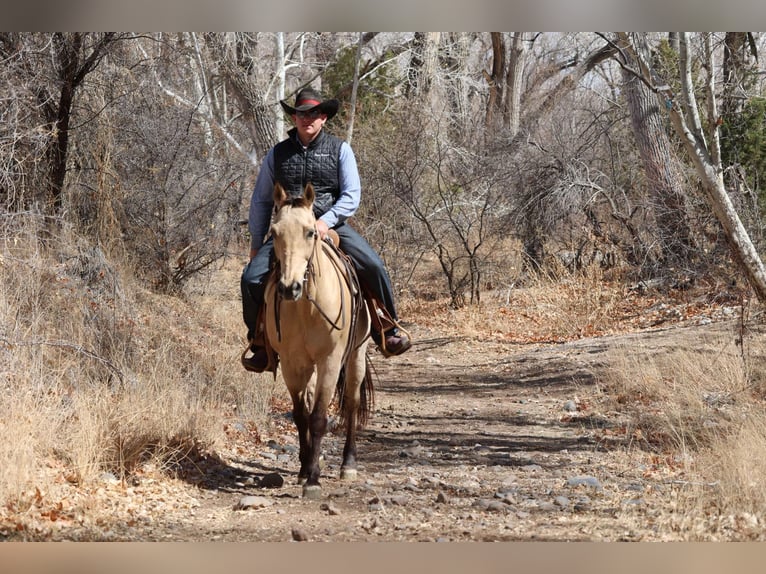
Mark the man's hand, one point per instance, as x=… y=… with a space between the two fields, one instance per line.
x=253 y=253
x=322 y=229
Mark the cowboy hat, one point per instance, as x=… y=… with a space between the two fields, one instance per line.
x=308 y=99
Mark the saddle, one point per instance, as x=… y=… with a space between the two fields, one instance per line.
x=380 y=319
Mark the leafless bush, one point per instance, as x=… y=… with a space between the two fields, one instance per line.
x=447 y=196
x=100 y=374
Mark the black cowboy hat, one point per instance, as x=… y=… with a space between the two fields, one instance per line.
x=309 y=99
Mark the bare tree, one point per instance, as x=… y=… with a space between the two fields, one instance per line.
x=691 y=133
x=661 y=167
x=74 y=56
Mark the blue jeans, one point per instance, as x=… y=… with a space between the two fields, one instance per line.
x=368 y=264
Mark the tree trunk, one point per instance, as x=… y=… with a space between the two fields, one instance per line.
x=258 y=114
x=737 y=51
x=660 y=166
x=72 y=69
x=742 y=247
x=354 y=88
x=531 y=234
x=458 y=87
x=279 y=117
x=513 y=83
x=496 y=82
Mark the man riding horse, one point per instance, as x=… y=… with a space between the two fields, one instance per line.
x=312 y=155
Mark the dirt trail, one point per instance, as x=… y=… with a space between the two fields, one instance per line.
x=470 y=440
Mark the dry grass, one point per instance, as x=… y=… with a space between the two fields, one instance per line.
x=679 y=398
x=544 y=309
x=99 y=374
x=697 y=408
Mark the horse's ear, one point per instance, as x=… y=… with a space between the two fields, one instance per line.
x=308 y=194
x=280 y=196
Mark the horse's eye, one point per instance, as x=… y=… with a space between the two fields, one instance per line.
x=311 y=233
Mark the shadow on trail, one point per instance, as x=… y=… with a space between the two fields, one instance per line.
x=476 y=415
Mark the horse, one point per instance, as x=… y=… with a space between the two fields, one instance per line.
x=319 y=325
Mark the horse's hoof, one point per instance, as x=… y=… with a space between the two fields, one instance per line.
x=312 y=491
x=302 y=480
x=348 y=474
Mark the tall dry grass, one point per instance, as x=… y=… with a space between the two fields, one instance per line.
x=701 y=405
x=99 y=374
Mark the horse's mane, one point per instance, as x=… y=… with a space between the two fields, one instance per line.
x=298 y=201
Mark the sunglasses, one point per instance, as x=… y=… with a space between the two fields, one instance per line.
x=312 y=114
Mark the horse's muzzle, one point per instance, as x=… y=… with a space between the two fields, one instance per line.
x=290 y=292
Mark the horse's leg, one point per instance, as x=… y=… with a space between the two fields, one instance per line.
x=317 y=422
x=355 y=373
x=301 y=385
x=301 y=418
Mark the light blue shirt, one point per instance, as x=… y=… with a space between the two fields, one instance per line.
x=262 y=201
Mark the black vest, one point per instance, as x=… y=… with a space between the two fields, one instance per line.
x=318 y=164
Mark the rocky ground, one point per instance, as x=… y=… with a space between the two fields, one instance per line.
x=470 y=441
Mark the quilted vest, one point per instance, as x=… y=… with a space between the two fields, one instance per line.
x=318 y=164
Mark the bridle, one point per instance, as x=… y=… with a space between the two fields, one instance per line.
x=343 y=270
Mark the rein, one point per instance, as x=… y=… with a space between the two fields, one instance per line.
x=347 y=272
x=310 y=274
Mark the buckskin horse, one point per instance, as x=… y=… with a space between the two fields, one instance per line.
x=317 y=322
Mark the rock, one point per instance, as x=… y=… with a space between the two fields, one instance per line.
x=570 y=406
x=331 y=509
x=398 y=500
x=561 y=501
x=248 y=502
x=299 y=535
x=411 y=451
x=590 y=481
x=338 y=493
x=442 y=498
x=375 y=505
x=497 y=506
x=108 y=478
x=272 y=480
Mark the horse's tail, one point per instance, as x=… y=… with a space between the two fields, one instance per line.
x=366 y=396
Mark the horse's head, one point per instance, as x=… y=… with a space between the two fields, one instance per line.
x=295 y=235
